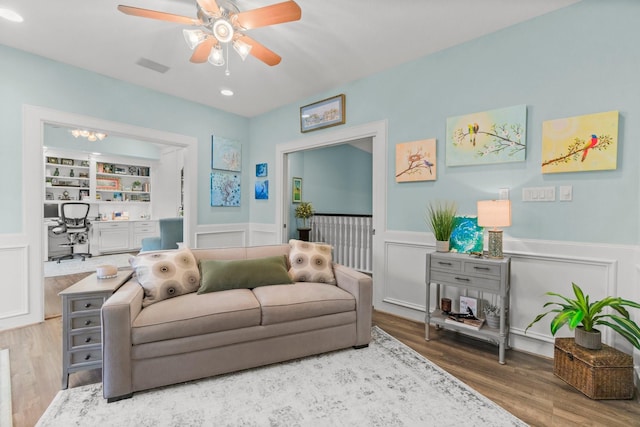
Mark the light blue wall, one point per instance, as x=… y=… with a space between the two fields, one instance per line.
x=579 y=60
x=338 y=180
x=30 y=79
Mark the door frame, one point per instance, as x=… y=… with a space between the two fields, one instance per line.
x=375 y=130
x=34 y=120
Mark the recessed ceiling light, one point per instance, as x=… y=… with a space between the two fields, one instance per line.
x=10 y=15
x=227 y=92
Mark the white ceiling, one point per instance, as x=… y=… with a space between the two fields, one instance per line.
x=335 y=42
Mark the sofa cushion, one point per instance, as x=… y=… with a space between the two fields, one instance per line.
x=194 y=314
x=285 y=303
x=220 y=275
x=311 y=262
x=166 y=274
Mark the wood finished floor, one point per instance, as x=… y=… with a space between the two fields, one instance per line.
x=525 y=386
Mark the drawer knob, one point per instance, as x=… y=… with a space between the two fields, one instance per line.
x=87 y=322
x=87 y=340
x=87 y=357
x=87 y=305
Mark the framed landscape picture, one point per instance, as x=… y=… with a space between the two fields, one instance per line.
x=323 y=114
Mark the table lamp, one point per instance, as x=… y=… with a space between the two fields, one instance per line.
x=494 y=214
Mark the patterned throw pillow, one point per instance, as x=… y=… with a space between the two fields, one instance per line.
x=311 y=262
x=166 y=274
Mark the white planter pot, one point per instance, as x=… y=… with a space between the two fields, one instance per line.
x=442 y=246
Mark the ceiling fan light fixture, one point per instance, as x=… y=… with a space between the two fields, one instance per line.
x=75 y=133
x=223 y=30
x=193 y=37
x=242 y=48
x=216 y=57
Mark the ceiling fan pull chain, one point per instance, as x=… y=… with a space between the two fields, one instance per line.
x=227 y=72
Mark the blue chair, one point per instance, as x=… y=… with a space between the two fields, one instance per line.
x=170 y=235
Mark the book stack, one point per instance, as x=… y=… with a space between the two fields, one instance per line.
x=465 y=322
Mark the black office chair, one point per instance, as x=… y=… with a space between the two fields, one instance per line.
x=75 y=225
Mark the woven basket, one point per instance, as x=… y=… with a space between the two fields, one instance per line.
x=599 y=374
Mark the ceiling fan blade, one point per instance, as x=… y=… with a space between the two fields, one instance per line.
x=260 y=52
x=201 y=52
x=211 y=6
x=162 y=16
x=269 y=15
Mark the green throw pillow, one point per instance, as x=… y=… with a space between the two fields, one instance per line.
x=218 y=275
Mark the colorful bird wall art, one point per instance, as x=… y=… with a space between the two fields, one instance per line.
x=416 y=161
x=581 y=143
x=493 y=136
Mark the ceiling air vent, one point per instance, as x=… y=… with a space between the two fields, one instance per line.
x=152 y=65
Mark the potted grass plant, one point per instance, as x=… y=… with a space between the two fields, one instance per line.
x=441 y=219
x=583 y=316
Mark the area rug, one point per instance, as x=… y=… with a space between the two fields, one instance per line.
x=73 y=266
x=386 y=384
x=6 y=413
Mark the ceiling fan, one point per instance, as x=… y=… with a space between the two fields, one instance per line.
x=222 y=23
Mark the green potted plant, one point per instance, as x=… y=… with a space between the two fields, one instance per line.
x=136 y=185
x=492 y=315
x=304 y=211
x=441 y=219
x=583 y=316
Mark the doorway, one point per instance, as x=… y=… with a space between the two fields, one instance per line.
x=35 y=118
x=377 y=131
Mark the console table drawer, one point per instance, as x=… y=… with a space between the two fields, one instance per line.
x=463 y=280
x=86 y=356
x=85 y=321
x=446 y=264
x=482 y=268
x=86 y=338
x=86 y=304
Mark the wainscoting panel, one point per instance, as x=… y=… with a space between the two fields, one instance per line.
x=404 y=279
x=536 y=268
x=223 y=236
x=263 y=234
x=14 y=264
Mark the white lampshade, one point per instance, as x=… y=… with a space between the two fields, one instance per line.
x=193 y=37
x=216 y=57
x=242 y=48
x=494 y=213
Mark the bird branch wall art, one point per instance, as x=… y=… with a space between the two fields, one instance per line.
x=582 y=143
x=494 y=136
x=416 y=161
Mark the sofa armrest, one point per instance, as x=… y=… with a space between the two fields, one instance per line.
x=118 y=314
x=361 y=287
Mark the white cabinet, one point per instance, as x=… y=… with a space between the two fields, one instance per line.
x=123 y=236
x=113 y=236
x=141 y=230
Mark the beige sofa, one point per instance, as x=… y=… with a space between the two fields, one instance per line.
x=195 y=335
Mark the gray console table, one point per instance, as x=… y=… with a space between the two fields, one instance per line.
x=81 y=322
x=473 y=273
